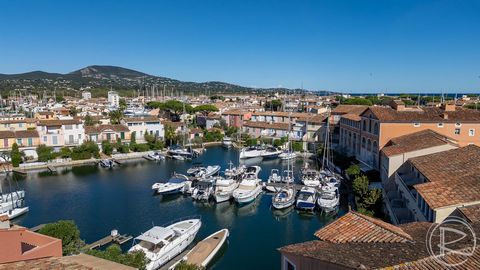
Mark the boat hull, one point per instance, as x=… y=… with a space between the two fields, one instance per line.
x=308 y=206
x=245 y=199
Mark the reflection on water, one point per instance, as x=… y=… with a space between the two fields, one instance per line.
x=100 y=200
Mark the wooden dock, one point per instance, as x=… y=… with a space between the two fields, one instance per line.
x=37 y=228
x=52 y=169
x=119 y=239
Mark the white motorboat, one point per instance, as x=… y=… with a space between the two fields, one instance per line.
x=178 y=157
x=204 y=189
x=235 y=172
x=108 y=163
x=196 y=167
x=270 y=152
x=274 y=178
x=306 y=199
x=250 y=152
x=224 y=188
x=203 y=253
x=227 y=142
x=176 y=184
x=332 y=181
x=250 y=187
x=208 y=171
x=288 y=177
x=329 y=199
x=284 y=198
x=287 y=155
x=155 y=156
x=311 y=178
x=161 y=244
x=179 y=151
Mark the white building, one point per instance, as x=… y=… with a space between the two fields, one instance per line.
x=113 y=99
x=86 y=95
x=144 y=125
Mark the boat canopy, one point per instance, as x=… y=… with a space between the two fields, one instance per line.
x=155 y=235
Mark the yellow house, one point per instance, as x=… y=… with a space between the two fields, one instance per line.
x=18 y=124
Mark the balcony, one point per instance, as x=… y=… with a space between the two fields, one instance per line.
x=74 y=142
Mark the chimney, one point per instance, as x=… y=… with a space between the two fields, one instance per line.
x=397 y=105
x=448 y=107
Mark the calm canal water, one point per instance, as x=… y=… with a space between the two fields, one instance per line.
x=100 y=200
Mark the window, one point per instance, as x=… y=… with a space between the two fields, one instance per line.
x=369 y=145
x=440 y=125
x=363 y=142
x=54 y=140
x=19 y=141
x=364 y=125
x=289 y=265
x=122 y=135
x=45 y=138
x=20 y=124
x=30 y=141
x=471 y=132
x=457 y=131
x=375 y=128
x=68 y=127
x=79 y=136
x=416 y=124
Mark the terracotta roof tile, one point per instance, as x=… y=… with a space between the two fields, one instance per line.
x=472 y=212
x=351 y=116
x=349 y=109
x=355 y=227
x=424 y=114
x=415 y=141
x=266 y=125
x=59 y=122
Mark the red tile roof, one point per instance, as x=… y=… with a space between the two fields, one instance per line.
x=349 y=109
x=424 y=114
x=102 y=128
x=416 y=141
x=472 y=212
x=59 y=122
x=453 y=176
x=351 y=116
x=355 y=227
x=266 y=125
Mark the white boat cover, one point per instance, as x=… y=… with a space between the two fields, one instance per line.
x=155 y=235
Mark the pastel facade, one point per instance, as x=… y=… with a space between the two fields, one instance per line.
x=144 y=125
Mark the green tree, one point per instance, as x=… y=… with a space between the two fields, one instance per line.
x=65 y=152
x=15 y=155
x=67 y=231
x=358 y=101
x=353 y=171
x=133 y=140
x=170 y=135
x=45 y=153
x=115 y=116
x=273 y=105
x=360 y=186
x=114 y=253
x=206 y=108
x=89 y=121
x=73 y=111
x=122 y=104
x=107 y=148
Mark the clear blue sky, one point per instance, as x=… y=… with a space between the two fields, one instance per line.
x=351 y=46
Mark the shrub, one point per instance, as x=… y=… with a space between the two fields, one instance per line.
x=114 y=253
x=67 y=231
x=15 y=155
x=65 y=152
x=45 y=153
x=107 y=148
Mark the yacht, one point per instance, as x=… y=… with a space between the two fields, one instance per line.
x=274 y=178
x=176 y=184
x=311 y=178
x=204 y=189
x=224 y=188
x=178 y=157
x=329 y=199
x=250 y=187
x=235 y=172
x=12 y=203
x=288 y=177
x=227 y=142
x=250 y=152
x=306 y=199
x=284 y=198
x=287 y=155
x=270 y=152
x=155 y=156
x=332 y=181
x=161 y=244
x=207 y=171
x=107 y=163
x=12 y=196
x=196 y=166
x=179 y=151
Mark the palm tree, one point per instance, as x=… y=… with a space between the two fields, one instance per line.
x=170 y=134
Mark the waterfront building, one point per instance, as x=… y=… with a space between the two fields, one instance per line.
x=25 y=139
x=113 y=99
x=110 y=133
x=144 y=125
x=356 y=241
x=364 y=137
x=59 y=133
x=266 y=129
x=431 y=187
x=235 y=118
x=20 y=244
x=17 y=124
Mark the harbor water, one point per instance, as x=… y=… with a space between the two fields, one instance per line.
x=99 y=200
